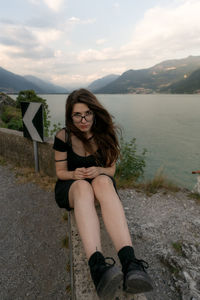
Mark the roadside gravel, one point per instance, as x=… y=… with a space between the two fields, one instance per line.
x=165 y=230
x=33 y=262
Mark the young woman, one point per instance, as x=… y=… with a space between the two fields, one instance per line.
x=85 y=154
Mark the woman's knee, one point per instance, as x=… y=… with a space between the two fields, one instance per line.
x=81 y=190
x=102 y=182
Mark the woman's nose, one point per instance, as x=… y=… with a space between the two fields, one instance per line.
x=83 y=120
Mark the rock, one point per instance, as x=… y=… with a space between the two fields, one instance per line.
x=6 y=100
x=184 y=268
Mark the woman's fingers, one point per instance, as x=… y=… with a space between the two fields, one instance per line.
x=92 y=172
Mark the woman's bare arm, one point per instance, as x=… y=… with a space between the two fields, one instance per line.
x=62 y=171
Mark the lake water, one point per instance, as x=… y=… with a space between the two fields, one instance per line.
x=168 y=126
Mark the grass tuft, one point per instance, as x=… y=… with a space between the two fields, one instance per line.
x=123 y=183
x=24 y=175
x=195 y=196
x=65 y=216
x=68 y=288
x=2 y=161
x=178 y=247
x=160 y=181
x=65 y=242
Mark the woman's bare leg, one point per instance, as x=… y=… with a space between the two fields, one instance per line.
x=112 y=211
x=81 y=197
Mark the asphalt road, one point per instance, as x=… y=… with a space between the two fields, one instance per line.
x=33 y=262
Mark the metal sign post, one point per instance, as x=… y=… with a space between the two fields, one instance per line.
x=35 y=147
x=32 y=117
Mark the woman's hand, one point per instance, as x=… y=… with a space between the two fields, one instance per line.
x=79 y=173
x=92 y=172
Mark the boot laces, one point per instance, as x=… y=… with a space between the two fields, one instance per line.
x=102 y=263
x=142 y=263
x=135 y=264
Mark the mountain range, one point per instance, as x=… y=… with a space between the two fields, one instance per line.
x=170 y=76
x=13 y=83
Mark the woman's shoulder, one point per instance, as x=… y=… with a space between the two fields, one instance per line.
x=61 y=141
x=62 y=135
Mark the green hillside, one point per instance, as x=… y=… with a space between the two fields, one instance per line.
x=13 y=83
x=189 y=85
x=154 y=79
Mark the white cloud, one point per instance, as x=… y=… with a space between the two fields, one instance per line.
x=91 y=55
x=35 y=2
x=100 y=41
x=45 y=36
x=75 y=20
x=89 y=21
x=163 y=33
x=72 y=80
x=29 y=42
x=166 y=33
x=54 y=5
x=116 y=5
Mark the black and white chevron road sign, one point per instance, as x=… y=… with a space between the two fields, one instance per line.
x=32 y=116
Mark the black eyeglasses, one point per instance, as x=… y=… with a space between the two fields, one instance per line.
x=77 y=117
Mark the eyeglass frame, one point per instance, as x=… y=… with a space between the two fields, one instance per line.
x=84 y=117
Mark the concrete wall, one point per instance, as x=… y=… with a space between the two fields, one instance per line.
x=19 y=150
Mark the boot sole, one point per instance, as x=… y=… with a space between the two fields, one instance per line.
x=138 y=282
x=109 y=282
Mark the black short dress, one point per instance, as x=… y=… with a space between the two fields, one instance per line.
x=73 y=161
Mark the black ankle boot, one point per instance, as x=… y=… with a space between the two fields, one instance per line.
x=136 y=279
x=106 y=277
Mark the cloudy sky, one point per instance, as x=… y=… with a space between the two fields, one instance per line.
x=73 y=42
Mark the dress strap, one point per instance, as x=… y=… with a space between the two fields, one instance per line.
x=60 y=160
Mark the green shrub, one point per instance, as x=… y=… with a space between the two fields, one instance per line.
x=130 y=165
x=10 y=112
x=31 y=96
x=56 y=127
x=12 y=118
x=15 y=124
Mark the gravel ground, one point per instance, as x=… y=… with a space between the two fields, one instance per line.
x=33 y=262
x=164 y=228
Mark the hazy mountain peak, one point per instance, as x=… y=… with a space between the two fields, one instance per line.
x=101 y=82
x=13 y=83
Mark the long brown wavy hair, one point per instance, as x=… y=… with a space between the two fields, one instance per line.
x=103 y=129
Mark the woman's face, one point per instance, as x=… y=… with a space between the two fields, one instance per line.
x=82 y=117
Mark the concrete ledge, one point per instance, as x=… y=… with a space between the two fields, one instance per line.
x=19 y=150
x=82 y=283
